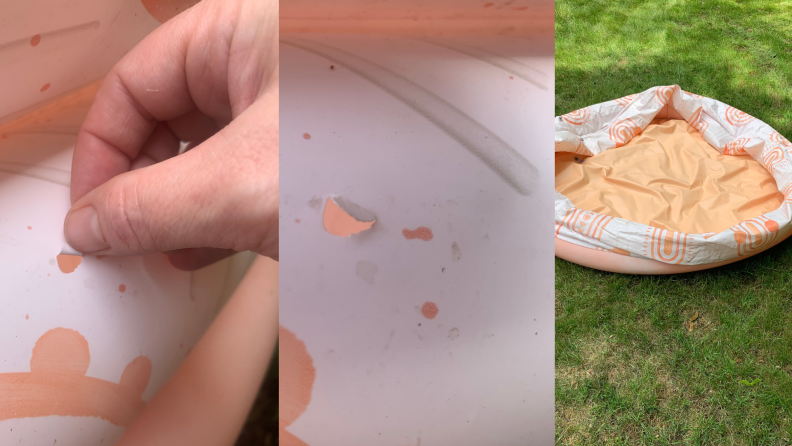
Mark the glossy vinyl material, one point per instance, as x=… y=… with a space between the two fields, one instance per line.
x=396 y=335
x=669 y=177
x=83 y=347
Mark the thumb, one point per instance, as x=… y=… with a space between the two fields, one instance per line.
x=221 y=194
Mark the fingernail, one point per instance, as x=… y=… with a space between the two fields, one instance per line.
x=82 y=230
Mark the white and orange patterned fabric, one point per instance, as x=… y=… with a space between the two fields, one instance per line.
x=597 y=128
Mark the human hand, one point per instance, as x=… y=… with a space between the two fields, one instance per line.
x=208 y=76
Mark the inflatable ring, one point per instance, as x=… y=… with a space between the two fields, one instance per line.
x=617 y=161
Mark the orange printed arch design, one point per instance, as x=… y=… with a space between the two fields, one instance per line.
x=621 y=132
x=697 y=96
x=588 y=223
x=580 y=148
x=737 y=118
x=665 y=246
x=755 y=234
x=779 y=139
x=736 y=147
x=772 y=157
x=625 y=101
x=663 y=94
x=577 y=117
x=57 y=385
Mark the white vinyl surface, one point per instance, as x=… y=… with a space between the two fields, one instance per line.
x=480 y=372
x=48 y=49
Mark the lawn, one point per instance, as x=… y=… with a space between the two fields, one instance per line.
x=261 y=427
x=629 y=369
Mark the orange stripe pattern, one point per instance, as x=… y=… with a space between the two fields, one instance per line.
x=665 y=246
x=736 y=147
x=663 y=94
x=578 y=117
x=621 y=132
x=737 y=118
x=772 y=157
x=753 y=235
x=625 y=101
x=590 y=224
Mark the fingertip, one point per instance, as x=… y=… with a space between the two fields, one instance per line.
x=82 y=231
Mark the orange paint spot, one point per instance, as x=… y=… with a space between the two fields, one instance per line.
x=45 y=87
x=488 y=5
x=136 y=374
x=306 y=136
x=429 y=310
x=57 y=385
x=30 y=227
x=27 y=316
x=35 y=40
x=68 y=263
x=122 y=288
x=164 y=10
x=771 y=225
x=297 y=375
x=60 y=350
x=422 y=233
x=338 y=222
x=511 y=77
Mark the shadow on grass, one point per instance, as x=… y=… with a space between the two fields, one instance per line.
x=737 y=52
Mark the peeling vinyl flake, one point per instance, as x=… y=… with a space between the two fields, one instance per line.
x=68 y=263
x=344 y=218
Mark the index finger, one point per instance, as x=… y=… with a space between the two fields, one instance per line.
x=177 y=68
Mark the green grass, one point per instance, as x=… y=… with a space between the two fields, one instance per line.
x=737 y=52
x=261 y=426
x=628 y=370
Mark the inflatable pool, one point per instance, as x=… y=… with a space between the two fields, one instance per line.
x=667 y=181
